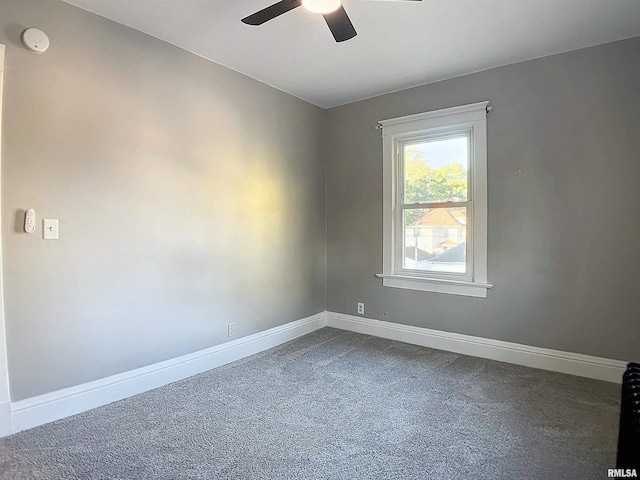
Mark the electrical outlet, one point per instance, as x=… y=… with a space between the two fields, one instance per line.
x=231 y=329
x=361 y=308
x=385 y=315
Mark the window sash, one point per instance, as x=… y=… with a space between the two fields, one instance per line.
x=398 y=254
x=447 y=134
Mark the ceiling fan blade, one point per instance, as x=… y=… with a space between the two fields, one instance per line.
x=340 y=25
x=271 y=12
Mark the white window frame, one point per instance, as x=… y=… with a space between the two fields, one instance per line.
x=396 y=132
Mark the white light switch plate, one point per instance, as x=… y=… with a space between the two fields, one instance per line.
x=50 y=229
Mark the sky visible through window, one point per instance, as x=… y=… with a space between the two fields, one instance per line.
x=440 y=153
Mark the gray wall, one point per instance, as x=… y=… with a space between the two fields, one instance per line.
x=564 y=234
x=189 y=196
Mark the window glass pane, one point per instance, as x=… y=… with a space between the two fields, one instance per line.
x=436 y=170
x=434 y=239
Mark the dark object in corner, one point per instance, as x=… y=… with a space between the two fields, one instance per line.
x=629 y=436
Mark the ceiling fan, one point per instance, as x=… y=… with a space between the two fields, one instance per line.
x=332 y=11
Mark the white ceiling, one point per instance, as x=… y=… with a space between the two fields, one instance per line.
x=399 y=44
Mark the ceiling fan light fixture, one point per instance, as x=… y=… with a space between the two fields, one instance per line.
x=321 y=6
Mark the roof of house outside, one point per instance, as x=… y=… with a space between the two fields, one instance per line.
x=410 y=252
x=453 y=255
x=448 y=243
x=440 y=217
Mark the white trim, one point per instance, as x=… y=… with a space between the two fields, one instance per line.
x=49 y=407
x=442 y=280
x=470 y=113
x=454 y=287
x=5 y=409
x=397 y=131
x=546 y=359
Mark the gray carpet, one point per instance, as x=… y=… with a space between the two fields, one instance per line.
x=337 y=405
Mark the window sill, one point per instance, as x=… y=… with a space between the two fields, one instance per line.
x=452 y=287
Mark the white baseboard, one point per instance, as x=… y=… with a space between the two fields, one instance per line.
x=31 y=412
x=49 y=407
x=6 y=427
x=543 y=358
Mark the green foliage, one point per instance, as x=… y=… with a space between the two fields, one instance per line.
x=426 y=184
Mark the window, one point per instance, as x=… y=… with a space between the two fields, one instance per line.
x=435 y=201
